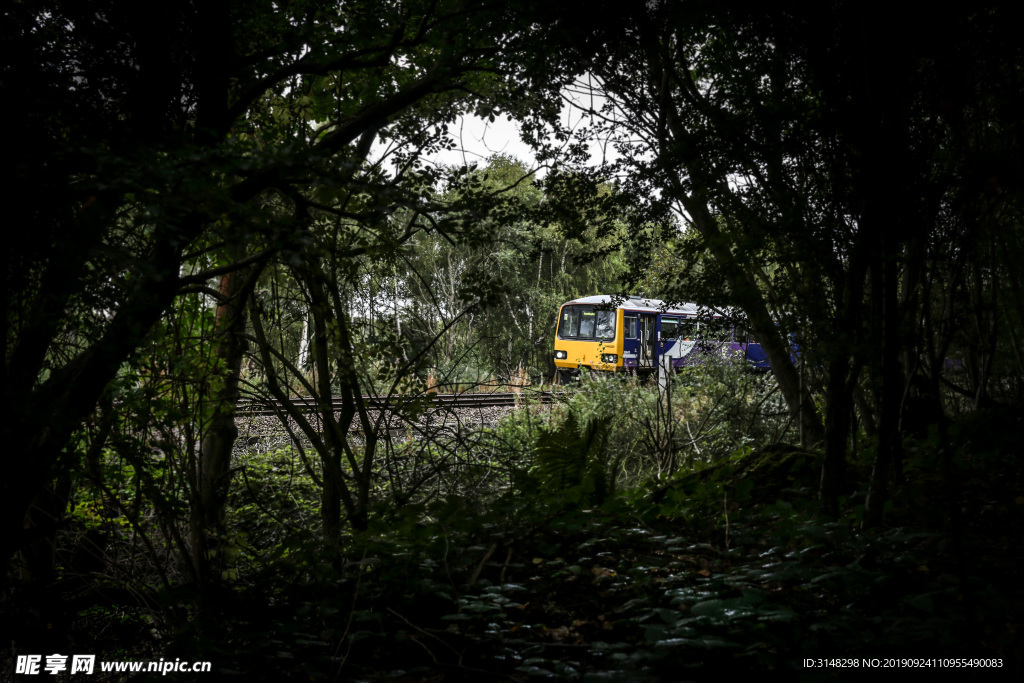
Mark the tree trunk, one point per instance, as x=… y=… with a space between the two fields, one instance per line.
x=891 y=390
x=213 y=477
x=745 y=289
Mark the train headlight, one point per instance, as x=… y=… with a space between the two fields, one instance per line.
x=560 y=355
x=609 y=358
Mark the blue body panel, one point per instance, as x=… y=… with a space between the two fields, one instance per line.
x=756 y=356
x=630 y=353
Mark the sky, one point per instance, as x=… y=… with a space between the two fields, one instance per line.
x=477 y=139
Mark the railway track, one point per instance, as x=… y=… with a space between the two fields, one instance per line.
x=264 y=407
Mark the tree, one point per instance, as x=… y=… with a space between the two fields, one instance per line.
x=528 y=241
x=824 y=159
x=162 y=136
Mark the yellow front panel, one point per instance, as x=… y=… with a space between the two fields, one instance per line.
x=588 y=353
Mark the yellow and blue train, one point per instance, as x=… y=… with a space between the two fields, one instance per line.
x=635 y=334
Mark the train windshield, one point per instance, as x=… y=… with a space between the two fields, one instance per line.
x=586 y=322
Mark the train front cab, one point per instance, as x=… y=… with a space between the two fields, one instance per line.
x=603 y=339
x=588 y=336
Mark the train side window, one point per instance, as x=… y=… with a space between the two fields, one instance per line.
x=690 y=329
x=632 y=326
x=669 y=328
x=718 y=329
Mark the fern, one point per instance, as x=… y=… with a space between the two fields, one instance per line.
x=573 y=456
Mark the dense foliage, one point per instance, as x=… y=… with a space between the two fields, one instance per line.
x=846 y=179
x=230 y=205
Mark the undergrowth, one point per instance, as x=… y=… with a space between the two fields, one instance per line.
x=562 y=546
x=730 y=568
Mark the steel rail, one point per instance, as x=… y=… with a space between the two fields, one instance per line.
x=267 y=406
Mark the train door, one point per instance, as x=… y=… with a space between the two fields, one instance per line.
x=648 y=340
x=667 y=336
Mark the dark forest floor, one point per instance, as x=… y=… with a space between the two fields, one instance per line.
x=726 y=571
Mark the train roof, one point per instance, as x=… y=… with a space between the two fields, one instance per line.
x=642 y=304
